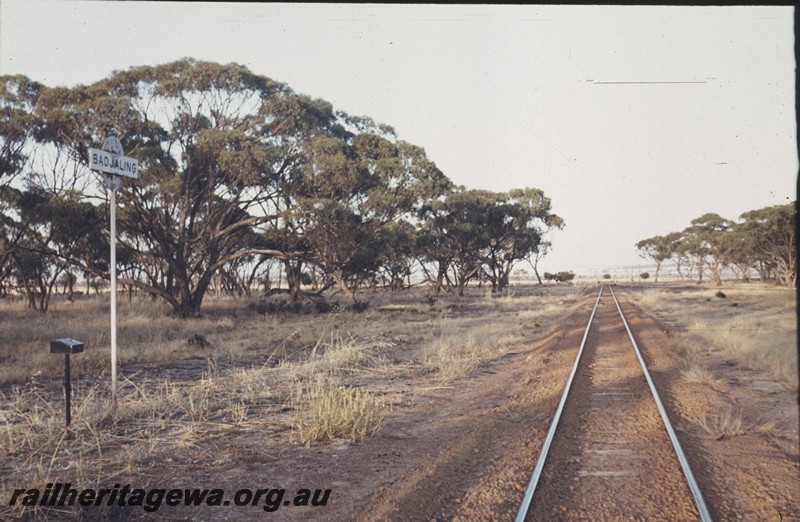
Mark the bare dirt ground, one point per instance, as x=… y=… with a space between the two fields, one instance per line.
x=465 y=450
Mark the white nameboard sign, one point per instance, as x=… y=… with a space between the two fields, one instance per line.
x=113 y=163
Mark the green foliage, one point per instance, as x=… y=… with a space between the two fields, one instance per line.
x=564 y=277
x=18 y=123
x=657 y=249
x=235 y=169
x=644 y=275
x=764 y=240
x=770 y=234
x=352 y=194
x=55 y=234
x=606 y=276
x=398 y=239
x=560 y=277
x=475 y=232
x=18 y=129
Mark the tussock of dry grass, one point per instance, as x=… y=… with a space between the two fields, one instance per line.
x=460 y=345
x=326 y=411
x=35 y=446
x=532 y=305
x=775 y=354
x=700 y=375
x=152 y=416
x=688 y=349
x=726 y=422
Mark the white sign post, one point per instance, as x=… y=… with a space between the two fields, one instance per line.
x=113 y=164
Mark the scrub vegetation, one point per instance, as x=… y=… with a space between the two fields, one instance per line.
x=323 y=378
x=755 y=326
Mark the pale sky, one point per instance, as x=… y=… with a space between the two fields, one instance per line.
x=633 y=119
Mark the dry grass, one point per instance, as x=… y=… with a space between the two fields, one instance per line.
x=145 y=334
x=688 y=349
x=153 y=417
x=726 y=422
x=461 y=345
x=36 y=447
x=326 y=411
x=148 y=335
x=337 y=352
x=700 y=375
x=754 y=325
x=762 y=349
x=331 y=369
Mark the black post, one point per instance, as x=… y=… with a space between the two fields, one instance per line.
x=67 y=388
x=66 y=346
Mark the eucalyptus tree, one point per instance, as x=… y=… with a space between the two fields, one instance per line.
x=541 y=251
x=675 y=247
x=454 y=235
x=242 y=276
x=19 y=125
x=708 y=231
x=657 y=249
x=738 y=246
x=516 y=222
x=433 y=246
x=397 y=260
x=45 y=228
x=474 y=232
x=763 y=240
x=58 y=233
x=772 y=233
x=352 y=193
x=213 y=141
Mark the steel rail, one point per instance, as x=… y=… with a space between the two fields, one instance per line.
x=700 y=503
x=537 y=471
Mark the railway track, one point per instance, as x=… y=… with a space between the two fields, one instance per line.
x=611 y=452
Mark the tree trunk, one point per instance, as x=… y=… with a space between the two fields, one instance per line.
x=338 y=277
x=505 y=276
x=462 y=284
x=71 y=287
x=536 y=271
x=440 y=277
x=294 y=272
x=716 y=273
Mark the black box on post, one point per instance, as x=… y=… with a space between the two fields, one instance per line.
x=65 y=345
